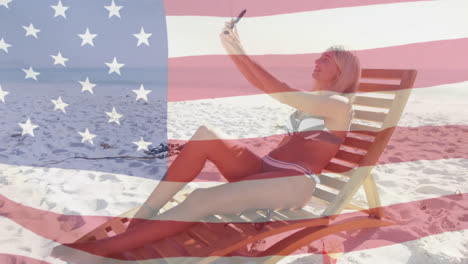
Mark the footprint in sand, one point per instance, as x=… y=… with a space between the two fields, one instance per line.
x=58 y=151
x=76 y=145
x=388 y=183
x=135 y=164
x=432 y=190
x=424 y=181
x=108 y=177
x=394 y=159
x=100 y=204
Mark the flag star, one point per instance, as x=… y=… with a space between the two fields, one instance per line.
x=113 y=10
x=142 y=144
x=87 y=38
x=59 y=104
x=59 y=9
x=5 y=2
x=30 y=73
x=28 y=128
x=31 y=31
x=87 y=86
x=114 y=66
x=2 y=94
x=142 y=93
x=86 y=136
x=114 y=116
x=142 y=37
x=59 y=59
x=3 y=45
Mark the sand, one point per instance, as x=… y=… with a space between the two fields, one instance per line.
x=110 y=187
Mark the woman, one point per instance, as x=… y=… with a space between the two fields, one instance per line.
x=288 y=170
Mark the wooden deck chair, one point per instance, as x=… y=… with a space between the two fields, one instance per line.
x=378 y=108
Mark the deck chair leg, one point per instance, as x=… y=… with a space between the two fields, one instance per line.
x=373 y=199
x=306 y=236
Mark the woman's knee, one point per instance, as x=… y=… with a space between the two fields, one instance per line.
x=210 y=132
x=203 y=132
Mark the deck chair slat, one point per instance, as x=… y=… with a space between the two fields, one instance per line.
x=297 y=213
x=177 y=198
x=223 y=229
x=193 y=246
x=227 y=229
x=384 y=103
x=369 y=115
x=382 y=74
x=331 y=182
x=167 y=206
x=101 y=234
x=211 y=219
x=180 y=196
x=118 y=226
x=337 y=168
x=289 y=215
x=324 y=195
x=252 y=214
x=377 y=87
x=343 y=175
x=304 y=213
x=247 y=228
x=234 y=219
x=363 y=129
x=231 y=236
x=203 y=233
x=277 y=216
x=349 y=156
x=353 y=206
x=166 y=249
x=357 y=143
x=142 y=253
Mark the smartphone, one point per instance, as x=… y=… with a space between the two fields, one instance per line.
x=237 y=20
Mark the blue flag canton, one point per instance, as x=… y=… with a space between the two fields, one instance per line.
x=84 y=79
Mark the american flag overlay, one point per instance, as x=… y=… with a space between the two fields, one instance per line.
x=99 y=97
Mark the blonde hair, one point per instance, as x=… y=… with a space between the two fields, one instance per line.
x=350 y=67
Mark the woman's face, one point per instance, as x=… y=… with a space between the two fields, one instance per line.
x=326 y=70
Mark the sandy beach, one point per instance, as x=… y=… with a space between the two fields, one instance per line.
x=111 y=187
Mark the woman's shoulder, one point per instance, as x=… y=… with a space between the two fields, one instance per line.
x=343 y=120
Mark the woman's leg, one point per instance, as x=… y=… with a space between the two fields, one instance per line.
x=233 y=160
x=275 y=190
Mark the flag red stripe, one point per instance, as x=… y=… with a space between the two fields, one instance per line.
x=443 y=214
x=229 y=8
x=214 y=76
x=407 y=144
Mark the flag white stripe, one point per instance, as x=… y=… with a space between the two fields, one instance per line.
x=307 y=32
x=443 y=103
x=366 y=27
x=128 y=192
x=26 y=243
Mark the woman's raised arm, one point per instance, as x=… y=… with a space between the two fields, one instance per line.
x=251 y=70
x=330 y=106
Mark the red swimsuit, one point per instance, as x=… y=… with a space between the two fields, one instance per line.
x=312 y=148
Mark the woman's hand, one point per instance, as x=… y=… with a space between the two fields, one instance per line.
x=231 y=41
